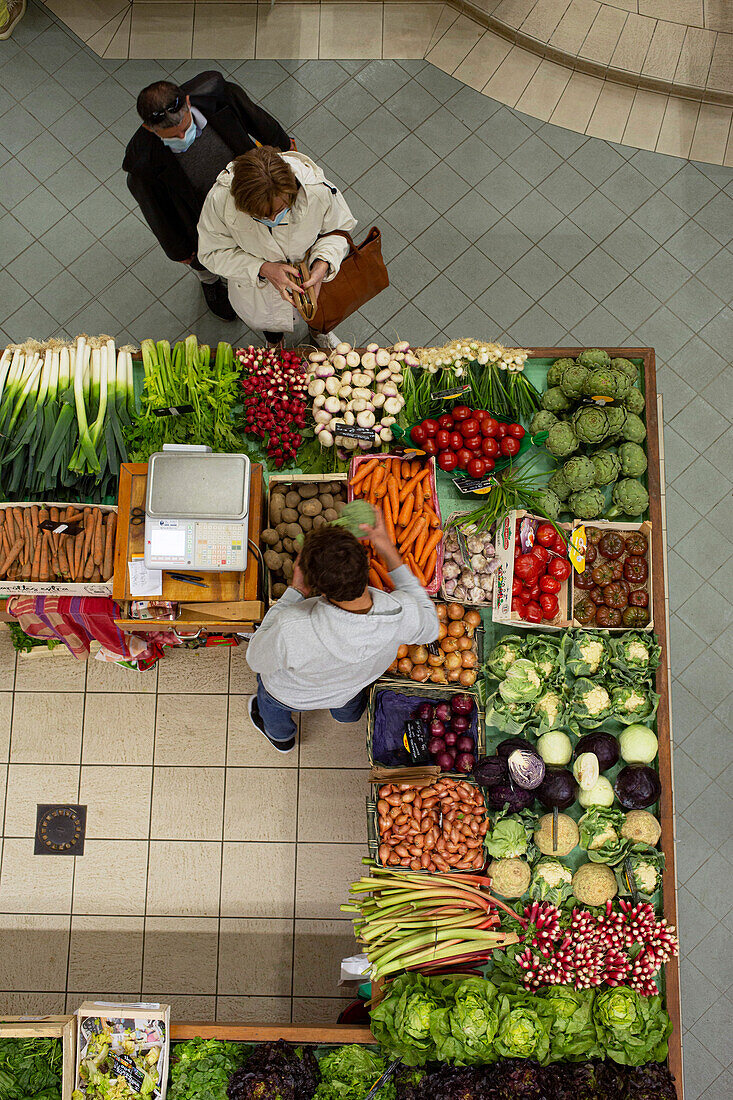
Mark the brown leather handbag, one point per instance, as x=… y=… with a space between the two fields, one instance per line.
x=362 y=275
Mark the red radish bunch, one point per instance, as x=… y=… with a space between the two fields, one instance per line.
x=274 y=384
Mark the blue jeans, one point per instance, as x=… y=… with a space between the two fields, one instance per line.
x=278 y=717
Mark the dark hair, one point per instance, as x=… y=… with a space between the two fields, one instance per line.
x=260 y=176
x=335 y=563
x=155 y=98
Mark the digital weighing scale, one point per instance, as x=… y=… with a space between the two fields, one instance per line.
x=196 y=510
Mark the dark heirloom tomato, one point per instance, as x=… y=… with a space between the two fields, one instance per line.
x=636 y=569
x=637 y=544
x=608 y=616
x=635 y=616
x=614 y=596
x=593 y=534
x=618 y=569
x=639 y=598
x=584 y=610
x=590 y=554
x=625 y=585
x=602 y=573
x=611 y=545
x=584 y=580
x=596 y=594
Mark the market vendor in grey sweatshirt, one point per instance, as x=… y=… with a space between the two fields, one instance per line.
x=322 y=652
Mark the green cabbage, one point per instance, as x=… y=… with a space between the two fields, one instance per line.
x=522 y=683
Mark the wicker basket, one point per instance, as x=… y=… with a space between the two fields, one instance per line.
x=434 y=693
x=485 y=605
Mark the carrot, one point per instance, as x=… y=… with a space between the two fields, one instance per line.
x=96 y=575
x=72 y=516
x=374 y=578
x=388 y=521
x=429 y=568
x=89 y=568
x=88 y=532
x=406 y=510
x=379 y=475
x=78 y=550
x=364 y=469
x=430 y=545
x=415 y=569
x=44 y=571
x=98 y=551
x=415 y=467
x=420 y=541
x=407 y=530
x=62 y=558
x=11 y=556
x=393 y=492
x=418 y=529
x=35 y=568
x=108 y=567
x=431 y=516
x=413 y=484
x=381 y=570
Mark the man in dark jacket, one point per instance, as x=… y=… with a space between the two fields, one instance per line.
x=188 y=135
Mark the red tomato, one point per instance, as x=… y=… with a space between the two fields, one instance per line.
x=518 y=605
x=430 y=426
x=473 y=442
x=442 y=438
x=533 y=591
x=559 y=568
x=489 y=464
x=516 y=430
x=456 y=441
x=533 y=612
x=447 y=461
x=481 y=414
x=549 y=606
x=464 y=457
x=418 y=435
x=489 y=426
x=475 y=467
x=549 y=584
x=461 y=412
x=430 y=447
x=541 y=553
x=560 y=546
x=501 y=430
x=528 y=568
x=517 y=586
x=469 y=427
x=445 y=421
x=509 y=446
x=489 y=446
x=545 y=534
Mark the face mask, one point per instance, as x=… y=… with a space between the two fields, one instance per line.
x=277 y=220
x=180 y=145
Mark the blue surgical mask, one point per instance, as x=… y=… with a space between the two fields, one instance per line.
x=277 y=220
x=180 y=145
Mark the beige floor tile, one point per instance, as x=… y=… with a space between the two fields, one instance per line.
x=695 y=57
x=6 y=715
x=117 y=800
x=187 y=1008
x=645 y=119
x=287 y=30
x=86 y=17
x=184 y=879
x=332 y=806
x=455 y=45
x=110 y=878
x=633 y=44
x=253 y=1010
x=325 y=873
x=728 y=159
x=161 y=30
x=126 y=996
x=601 y=40
x=664 y=51
x=35 y=1004
x=678 y=127
x=320 y=945
x=248 y=748
x=483 y=60
x=577 y=102
x=34 y=884
x=235 y=24
x=106 y=951
x=255 y=957
x=35 y=952
x=512 y=77
x=119 y=46
x=350 y=30
x=408 y=28
x=318 y=1011
x=711 y=133
x=49 y=674
x=543 y=19
x=197 y=671
x=611 y=112
x=104 y=38
x=242 y=680
x=106 y=676
x=447 y=18
x=180 y=954
x=513 y=12
x=47 y=727
x=31 y=784
x=543 y=92
x=191 y=729
x=326 y=743
x=188 y=804
x=260 y=804
x=721 y=66
x=572 y=29
x=7 y=659
x=719 y=15
x=687 y=12
x=118 y=729
x=257 y=879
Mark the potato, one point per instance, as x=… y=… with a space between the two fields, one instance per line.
x=290 y=515
x=277 y=503
x=288 y=546
x=293 y=530
x=339 y=506
x=319 y=521
x=308 y=489
x=273 y=561
x=292 y=500
x=327 y=487
x=327 y=500
x=330 y=515
x=306 y=522
x=311 y=507
x=278 y=546
x=278 y=590
x=288 y=569
x=270 y=537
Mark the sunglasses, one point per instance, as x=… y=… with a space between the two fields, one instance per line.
x=172 y=109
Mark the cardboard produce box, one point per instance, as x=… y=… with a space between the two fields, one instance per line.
x=504 y=577
x=131 y=1041
x=644 y=528
x=57 y=588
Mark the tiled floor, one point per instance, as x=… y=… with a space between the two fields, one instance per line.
x=201 y=847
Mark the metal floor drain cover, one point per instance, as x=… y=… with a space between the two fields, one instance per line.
x=60 y=830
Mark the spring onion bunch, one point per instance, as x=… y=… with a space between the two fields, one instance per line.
x=515 y=487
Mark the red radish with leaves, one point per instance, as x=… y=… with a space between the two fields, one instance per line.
x=274 y=384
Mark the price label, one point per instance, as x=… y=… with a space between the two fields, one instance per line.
x=377 y=1086
x=598 y=399
x=475 y=484
x=631 y=880
x=353 y=431
x=415 y=740
x=407 y=450
x=576 y=549
x=60 y=528
x=452 y=393
x=434 y=649
x=173 y=410
x=123 y=1066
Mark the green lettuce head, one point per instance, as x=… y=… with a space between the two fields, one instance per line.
x=522 y=684
x=572 y=1033
x=523 y=1031
x=464 y=1033
x=401 y=1022
x=631 y=1029
x=508 y=838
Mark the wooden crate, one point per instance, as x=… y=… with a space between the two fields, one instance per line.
x=47 y=1027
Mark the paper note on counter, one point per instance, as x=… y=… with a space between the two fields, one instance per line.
x=144 y=581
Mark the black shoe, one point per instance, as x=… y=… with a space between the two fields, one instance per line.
x=217 y=299
x=256 y=719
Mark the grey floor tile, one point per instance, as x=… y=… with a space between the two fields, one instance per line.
x=536 y=328
x=129 y=239
x=352 y=103
x=381 y=131
x=690 y=189
x=568 y=303
x=98 y=267
x=535 y=216
x=608 y=330
x=472 y=216
x=411 y=159
x=695 y=304
x=31 y=320
x=471 y=107
x=441 y=187
x=674 y=390
x=440 y=84
x=379 y=310
x=564 y=187
x=44 y=156
x=709 y=742
x=534 y=160
x=665 y=332
x=382 y=78
x=257 y=77
x=597 y=216
x=18 y=128
x=108 y=101
x=67 y=239
x=412 y=104
x=717 y=331
x=441 y=243
x=54 y=46
x=12 y=294
x=16 y=182
x=702 y=425
x=103 y=155
x=410 y=271
x=48 y=102
x=693 y=244
x=63 y=296
x=321 y=78
x=598 y=273
x=503 y=187
x=289 y=102
x=503 y=132
x=380 y=186
x=473 y=160
x=80 y=74
x=351 y=158
x=567 y=244
x=659 y=217
x=716 y=216
x=38 y=211
x=717 y=273
x=410 y=215
x=34 y=268
x=656 y=167
x=320 y=130
x=100 y=211
x=627 y=188
x=711 y=955
x=77 y=128
x=21 y=75
x=409 y=319
x=72 y=184
x=442 y=132
x=504 y=244
x=472 y=272
x=442 y=302
x=504 y=302
x=596 y=160
x=631 y=302
x=708 y=677
x=721 y=1088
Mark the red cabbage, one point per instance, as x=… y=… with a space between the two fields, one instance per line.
x=602 y=745
x=637 y=786
x=558 y=788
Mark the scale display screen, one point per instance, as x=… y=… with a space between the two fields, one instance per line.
x=168 y=544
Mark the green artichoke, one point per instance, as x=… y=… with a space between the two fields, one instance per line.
x=592 y=358
x=633 y=429
x=605 y=382
x=625 y=366
x=634 y=401
x=558 y=485
x=587 y=504
x=548 y=503
x=554 y=400
x=542 y=421
x=555 y=372
x=630 y=498
x=579 y=472
x=633 y=459
x=607 y=467
x=616 y=419
x=590 y=423
x=573 y=379
x=561 y=440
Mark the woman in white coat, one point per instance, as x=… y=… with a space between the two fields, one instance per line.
x=267 y=211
